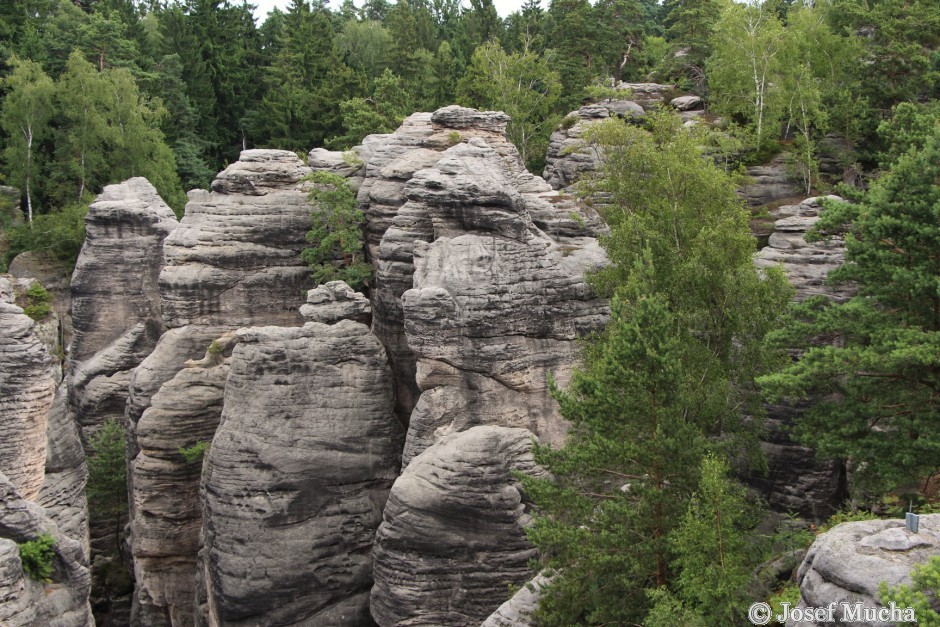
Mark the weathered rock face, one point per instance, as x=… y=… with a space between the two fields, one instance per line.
x=235 y=258
x=796 y=480
x=26 y=392
x=770 y=182
x=452 y=537
x=115 y=300
x=497 y=305
x=55 y=276
x=848 y=563
x=398 y=219
x=62 y=494
x=297 y=476
x=519 y=610
x=233 y=261
x=61 y=603
x=807 y=265
x=165 y=530
x=336 y=301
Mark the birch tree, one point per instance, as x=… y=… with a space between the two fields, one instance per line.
x=27 y=110
x=522 y=85
x=743 y=70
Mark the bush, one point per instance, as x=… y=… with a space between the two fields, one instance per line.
x=58 y=235
x=454 y=138
x=37 y=302
x=36 y=556
x=922 y=595
x=195 y=452
x=338 y=247
x=569 y=120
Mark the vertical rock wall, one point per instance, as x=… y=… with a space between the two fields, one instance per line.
x=297 y=476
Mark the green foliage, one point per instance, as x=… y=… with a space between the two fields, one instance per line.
x=382 y=113
x=712 y=550
x=37 y=302
x=922 y=594
x=107 y=471
x=789 y=594
x=338 y=250
x=196 y=452
x=523 y=85
x=663 y=385
x=569 y=120
x=214 y=348
x=454 y=138
x=877 y=383
x=58 y=235
x=37 y=557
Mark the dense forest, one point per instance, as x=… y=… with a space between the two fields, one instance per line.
x=96 y=91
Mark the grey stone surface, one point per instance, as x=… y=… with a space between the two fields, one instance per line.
x=687 y=103
x=519 y=610
x=452 y=538
x=26 y=393
x=807 y=265
x=115 y=298
x=62 y=602
x=297 y=476
x=235 y=258
x=165 y=529
x=770 y=182
x=55 y=276
x=62 y=494
x=335 y=301
x=497 y=305
x=849 y=562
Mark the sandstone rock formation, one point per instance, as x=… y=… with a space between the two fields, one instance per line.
x=497 y=305
x=796 y=480
x=54 y=276
x=63 y=601
x=848 y=563
x=770 y=182
x=519 y=610
x=297 y=476
x=235 y=258
x=399 y=217
x=26 y=393
x=115 y=300
x=806 y=264
x=452 y=538
x=165 y=529
x=233 y=261
x=62 y=494
x=335 y=301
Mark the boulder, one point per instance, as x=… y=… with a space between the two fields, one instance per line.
x=848 y=563
x=452 y=538
x=687 y=103
x=297 y=476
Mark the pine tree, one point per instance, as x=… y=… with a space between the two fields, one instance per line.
x=669 y=380
x=873 y=363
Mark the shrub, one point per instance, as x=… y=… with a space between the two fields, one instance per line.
x=36 y=556
x=922 y=595
x=59 y=235
x=195 y=452
x=569 y=120
x=454 y=138
x=37 y=302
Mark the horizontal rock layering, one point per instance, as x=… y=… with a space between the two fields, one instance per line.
x=452 y=540
x=297 y=476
